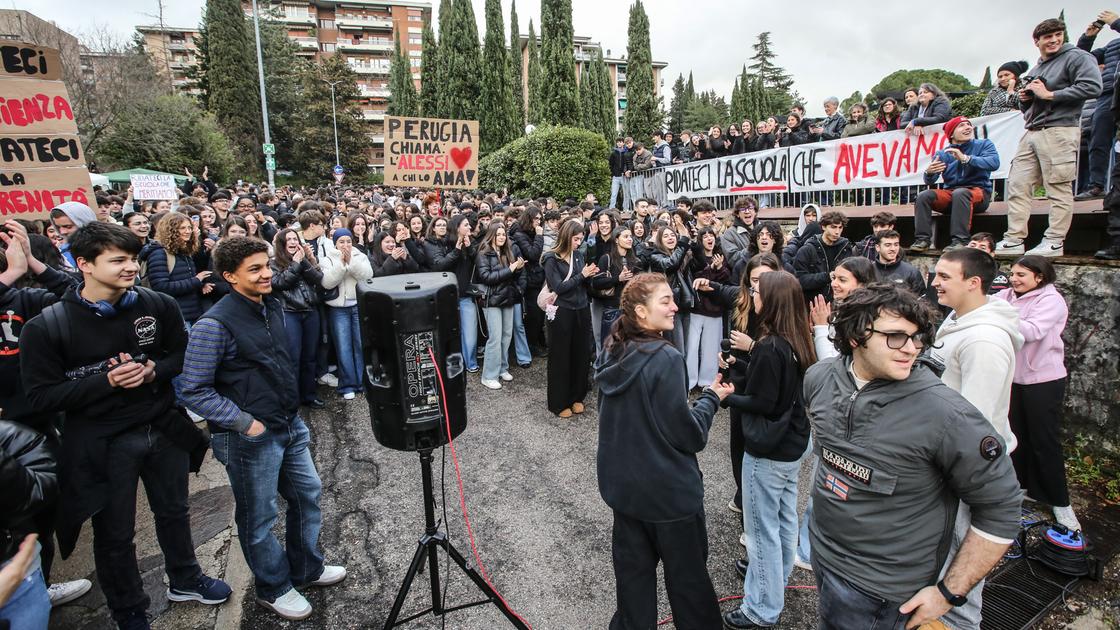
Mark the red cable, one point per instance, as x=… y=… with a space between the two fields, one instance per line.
x=795 y=587
x=462 y=497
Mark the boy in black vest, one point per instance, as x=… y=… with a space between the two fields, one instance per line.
x=239 y=376
x=105 y=355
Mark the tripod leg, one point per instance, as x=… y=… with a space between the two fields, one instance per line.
x=422 y=551
x=481 y=583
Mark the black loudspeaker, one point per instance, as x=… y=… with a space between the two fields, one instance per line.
x=401 y=319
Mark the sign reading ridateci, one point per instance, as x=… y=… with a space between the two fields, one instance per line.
x=41 y=159
x=431 y=152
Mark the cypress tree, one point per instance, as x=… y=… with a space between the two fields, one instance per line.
x=587 y=94
x=677 y=105
x=643 y=116
x=986 y=82
x=605 y=105
x=736 y=105
x=559 y=96
x=533 y=111
x=444 y=19
x=429 y=68
x=690 y=89
x=496 y=116
x=403 y=100
x=316 y=155
x=230 y=79
x=461 y=61
x=515 y=70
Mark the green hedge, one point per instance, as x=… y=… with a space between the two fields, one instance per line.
x=550 y=162
x=968 y=105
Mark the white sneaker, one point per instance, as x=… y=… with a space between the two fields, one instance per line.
x=1047 y=248
x=804 y=564
x=331 y=575
x=66 y=592
x=290 y=605
x=1065 y=516
x=1009 y=248
x=329 y=380
x=491 y=384
x=743 y=539
x=349 y=396
x=734 y=508
x=506 y=376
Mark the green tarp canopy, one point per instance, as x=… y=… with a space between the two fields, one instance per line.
x=122 y=177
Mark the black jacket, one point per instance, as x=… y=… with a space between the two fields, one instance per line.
x=620 y=162
x=297 y=286
x=813 y=265
x=531 y=246
x=939 y=111
x=389 y=266
x=702 y=268
x=180 y=283
x=415 y=252
x=676 y=272
x=30 y=482
x=903 y=273
x=611 y=266
x=772 y=385
x=794 y=137
x=504 y=287
x=570 y=293
x=649 y=434
x=441 y=254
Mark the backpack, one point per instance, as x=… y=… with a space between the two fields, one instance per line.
x=145 y=279
x=58 y=329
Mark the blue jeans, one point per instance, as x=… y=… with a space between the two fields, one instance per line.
x=468 y=331
x=842 y=606
x=520 y=340
x=348 y=347
x=804 y=551
x=277 y=460
x=770 y=520
x=29 y=606
x=637 y=186
x=1101 y=140
x=303 y=337
x=499 y=326
x=619 y=183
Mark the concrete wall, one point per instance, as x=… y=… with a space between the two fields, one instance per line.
x=1092 y=339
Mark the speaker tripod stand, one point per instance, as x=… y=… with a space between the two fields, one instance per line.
x=432 y=540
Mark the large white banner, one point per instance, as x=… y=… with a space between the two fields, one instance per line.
x=871 y=161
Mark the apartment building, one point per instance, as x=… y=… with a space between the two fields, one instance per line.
x=173 y=51
x=363 y=31
x=583 y=49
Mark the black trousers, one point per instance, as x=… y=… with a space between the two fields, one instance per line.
x=1036 y=421
x=737 y=446
x=1112 y=204
x=569 y=358
x=682 y=546
x=534 y=320
x=143 y=454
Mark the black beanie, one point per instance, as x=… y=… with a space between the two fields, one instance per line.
x=1016 y=68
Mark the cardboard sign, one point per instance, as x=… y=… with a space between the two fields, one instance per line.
x=874 y=160
x=31 y=193
x=146 y=187
x=35 y=107
x=431 y=153
x=41 y=159
x=21 y=60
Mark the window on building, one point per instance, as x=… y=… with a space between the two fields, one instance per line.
x=327 y=24
x=296 y=11
x=328 y=46
x=416 y=41
x=415 y=18
x=415 y=63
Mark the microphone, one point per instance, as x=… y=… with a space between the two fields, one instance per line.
x=725 y=354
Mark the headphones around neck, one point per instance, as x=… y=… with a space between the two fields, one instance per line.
x=105 y=308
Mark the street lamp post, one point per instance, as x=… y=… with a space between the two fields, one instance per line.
x=264 y=99
x=334 y=118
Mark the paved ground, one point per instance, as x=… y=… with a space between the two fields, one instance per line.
x=540 y=525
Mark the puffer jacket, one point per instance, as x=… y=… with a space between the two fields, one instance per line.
x=441 y=254
x=676 y=272
x=1111 y=55
x=180 y=283
x=297 y=286
x=345 y=276
x=531 y=247
x=504 y=286
x=30 y=481
x=812 y=266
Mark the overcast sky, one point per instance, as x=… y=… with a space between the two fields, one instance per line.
x=830 y=48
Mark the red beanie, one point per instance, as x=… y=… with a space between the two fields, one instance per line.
x=952 y=125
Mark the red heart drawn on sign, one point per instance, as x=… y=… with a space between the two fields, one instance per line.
x=461 y=156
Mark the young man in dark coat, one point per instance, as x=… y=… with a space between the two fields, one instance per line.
x=818 y=256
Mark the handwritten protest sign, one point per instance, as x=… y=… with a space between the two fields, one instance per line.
x=875 y=160
x=41 y=159
x=146 y=187
x=431 y=152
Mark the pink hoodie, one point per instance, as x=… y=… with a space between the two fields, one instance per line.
x=1042 y=318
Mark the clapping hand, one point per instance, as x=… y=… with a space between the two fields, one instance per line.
x=936 y=166
x=590 y=270
x=819 y=311
x=702 y=284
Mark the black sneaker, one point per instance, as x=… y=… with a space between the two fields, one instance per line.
x=741 y=568
x=1094 y=192
x=135 y=620
x=736 y=620
x=314 y=403
x=1112 y=252
x=920 y=245
x=207 y=590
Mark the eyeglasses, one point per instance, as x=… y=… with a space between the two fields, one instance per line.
x=897 y=340
x=244 y=205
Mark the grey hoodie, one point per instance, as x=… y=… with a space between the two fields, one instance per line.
x=896 y=459
x=1072 y=74
x=78 y=212
x=978 y=351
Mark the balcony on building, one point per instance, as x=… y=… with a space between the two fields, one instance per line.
x=374 y=92
x=363 y=21
x=370 y=68
x=179 y=46
x=373 y=114
x=371 y=45
x=311 y=43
